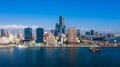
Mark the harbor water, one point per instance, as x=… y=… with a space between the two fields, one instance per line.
x=59 y=57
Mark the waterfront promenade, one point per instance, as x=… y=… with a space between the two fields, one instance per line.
x=69 y=46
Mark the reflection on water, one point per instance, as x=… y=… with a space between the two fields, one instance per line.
x=72 y=54
x=59 y=57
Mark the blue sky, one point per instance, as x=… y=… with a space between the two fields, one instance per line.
x=101 y=15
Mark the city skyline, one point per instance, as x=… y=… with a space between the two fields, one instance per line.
x=100 y=15
x=59 y=33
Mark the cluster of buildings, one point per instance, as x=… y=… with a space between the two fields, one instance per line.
x=60 y=36
x=8 y=38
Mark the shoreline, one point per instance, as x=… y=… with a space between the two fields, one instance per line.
x=9 y=46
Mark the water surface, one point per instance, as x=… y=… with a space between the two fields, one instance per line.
x=59 y=57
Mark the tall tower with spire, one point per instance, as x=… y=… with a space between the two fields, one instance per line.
x=61 y=21
x=60 y=28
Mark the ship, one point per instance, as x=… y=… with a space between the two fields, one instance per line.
x=94 y=49
x=22 y=46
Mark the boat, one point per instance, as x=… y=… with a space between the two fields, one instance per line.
x=12 y=45
x=118 y=45
x=94 y=49
x=22 y=46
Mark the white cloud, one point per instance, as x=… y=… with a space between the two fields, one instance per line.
x=46 y=27
x=100 y=30
x=15 y=26
x=21 y=27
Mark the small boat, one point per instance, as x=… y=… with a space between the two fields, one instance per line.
x=22 y=46
x=118 y=45
x=94 y=49
x=12 y=45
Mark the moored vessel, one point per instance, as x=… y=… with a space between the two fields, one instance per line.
x=22 y=46
x=94 y=49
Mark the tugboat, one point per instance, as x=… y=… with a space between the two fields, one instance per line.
x=94 y=49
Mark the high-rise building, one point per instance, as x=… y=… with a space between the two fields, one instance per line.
x=60 y=28
x=20 y=35
x=110 y=35
x=61 y=20
x=28 y=33
x=52 y=31
x=2 y=33
x=96 y=34
x=92 y=32
x=34 y=36
x=78 y=33
x=49 y=39
x=56 y=29
x=87 y=33
x=40 y=35
x=64 y=30
x=72 y=36
x=101 y=35
x=11 y=38
x=6 y=34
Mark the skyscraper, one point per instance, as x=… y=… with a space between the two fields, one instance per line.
x=72 y=36
x=56 y=29
x=64 y=30
x=28 y=33
x=40 y=35
x=2 y=33
x=96 y=34
x=6 y=34
x=78 y=33
x=60 y=28
x=61 y=21
x=92 y=32
x=20 y=35
x=87 y=33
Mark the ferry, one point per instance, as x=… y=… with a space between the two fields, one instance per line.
x=94 y=49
